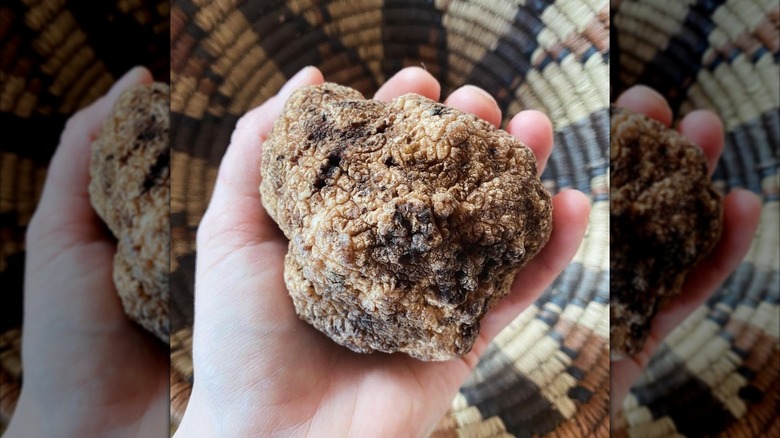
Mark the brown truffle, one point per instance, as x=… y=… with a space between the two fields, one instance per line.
x=130 y=191
x=406 y=220
x=665 y=216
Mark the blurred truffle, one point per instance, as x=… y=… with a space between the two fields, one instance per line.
x=130 y=191
x=665 y=216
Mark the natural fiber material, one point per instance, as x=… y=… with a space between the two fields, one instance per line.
x=10 y=374
x=55 y=57
x=549 y=372
x=719 y=372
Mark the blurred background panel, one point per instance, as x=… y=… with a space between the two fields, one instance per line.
x=548 y=373
x=718 y=374
x=56 y=56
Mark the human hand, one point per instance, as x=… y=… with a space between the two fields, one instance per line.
x=740 y=214
x=261 y=370
x=88 y=369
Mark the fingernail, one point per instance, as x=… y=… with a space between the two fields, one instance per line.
x=647 y=93
x=483 y=93
x=652 y=94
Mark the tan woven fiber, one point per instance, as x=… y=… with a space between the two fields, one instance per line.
x=717 y=374
x=547 y=374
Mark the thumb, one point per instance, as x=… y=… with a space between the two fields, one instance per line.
x=240 y=249
x=235 y=216
x=64 y=207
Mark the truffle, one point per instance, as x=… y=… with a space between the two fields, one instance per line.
x=130 y=191
x=406 y=221
x=665 y=216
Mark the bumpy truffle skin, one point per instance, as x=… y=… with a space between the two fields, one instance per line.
x=130 y=191
x=665 y=216
x=406 y=220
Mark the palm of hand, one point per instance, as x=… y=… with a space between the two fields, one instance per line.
x=741 y=215
x=73 y=315
x=282 y=364
x=259 y=369
x=104 y=354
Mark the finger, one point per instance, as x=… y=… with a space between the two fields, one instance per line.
x=622 y=374
x=570 y=219
x=645 y=100
x=705 y=129
x=741 y=213
x=409 y=80
x=65 y=194
x=236 y=199
x=68 y=172
x=476 y=101
x=534 y=129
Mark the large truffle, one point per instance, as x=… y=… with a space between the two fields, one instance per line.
x=130 y=191
x=665 y=216
x=406 y=220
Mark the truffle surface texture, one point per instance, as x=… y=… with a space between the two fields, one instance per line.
x=665 y=216
x=406 y=221
x=130 y=191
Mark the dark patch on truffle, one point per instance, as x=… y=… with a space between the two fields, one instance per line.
x=439 y=110
x=452 y=295
x=155 y=174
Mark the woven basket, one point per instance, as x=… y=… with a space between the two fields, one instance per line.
x=548 y=373
x=719 y=372
x=55 y=58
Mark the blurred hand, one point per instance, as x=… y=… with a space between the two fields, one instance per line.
x=740 y=214
x=88 y=369
x=261 y=370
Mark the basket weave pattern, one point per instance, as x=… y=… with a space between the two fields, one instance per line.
x=549 y=371
x=56 y=56
x=720 y=369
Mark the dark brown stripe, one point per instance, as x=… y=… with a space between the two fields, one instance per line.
x=413 y=34
x=590 y=367
x=673 y=70
x=119 y=41
x=501 y=71
x=12 y=279
x=762 y=396
x=512 y=397
x=182 y=293
x=683 y=397
x=205 y=139
x=41 y=131
x=290 y=41
x=616 y=85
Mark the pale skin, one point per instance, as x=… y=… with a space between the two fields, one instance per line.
x=741 y=214
x=261 y=371
x=83 y=359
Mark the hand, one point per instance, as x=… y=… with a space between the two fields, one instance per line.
x=261 y=370
x=88 y=369
x=741 y=214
